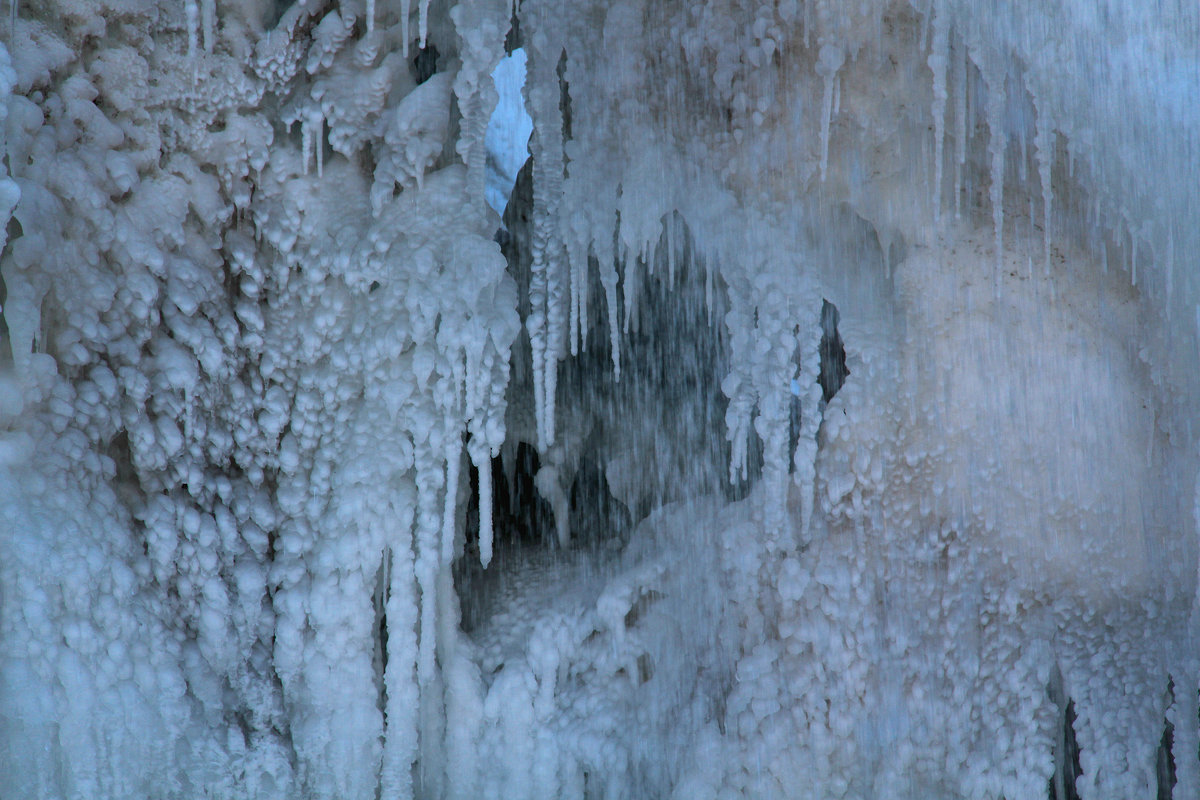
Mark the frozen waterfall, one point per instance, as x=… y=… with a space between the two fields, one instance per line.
x=817 y=420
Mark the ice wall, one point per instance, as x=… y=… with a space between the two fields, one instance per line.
x=257 y=336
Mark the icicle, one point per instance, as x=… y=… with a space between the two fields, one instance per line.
x=208 y=17
x=885 y=247
x=804 y=457
x=1183 y=714
x=628 y=292
x=450 y=498
x=550 y=371
x=578 y=264
x=430 y=475
x=548 y=314
x=485 y=513
x=829 y=62
x=584 y=321
x=960 y=127
x=671 y=249
x=403 y=695
x=192 y=12
x=608 y=278
x=370 y=16
x=708 y=290
x=926 y=10
x=319 y=144
x=1133 y=257
x=938 y=60
x=554 y=271
x=423 y=21
x=1170 y=267
x=997 y=144
x=573 y=322
x=1042 y=146
x=536 y=326
x=602 y=244
x=546 y=322
x=404 y=32
x=473 y=386
x=306 y=139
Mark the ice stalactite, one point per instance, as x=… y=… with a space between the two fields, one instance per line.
x=192 y=12
x=997 y=144
x=606 y=259
x=829 y=61
x=546 y=291
x=208 y=24
x=804 y=457
x=400 y=676
x=405 y=24
x=482 y=27
x=422 y=21
x=939 y=65
x=1044 y=154
x=962 y=68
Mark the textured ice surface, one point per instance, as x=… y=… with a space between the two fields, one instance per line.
x=260 y=342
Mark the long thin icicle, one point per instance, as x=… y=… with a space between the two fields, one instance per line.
x=556 y=320
x=1043 y=152
x=536 y=326
x=829 y=62
x=602 y=248
x=960 y=125
x=430 y=476
x=404 y=31
x=548 y=313
x=578 y=265
x=628 y=290
x=450 y=499
x=192 y=11
x=671 y=244
x=208 y=23
x=306 y=140
x=1170 y=268
x=1182 y=715
x=608 y=279
x=997 y=145
x=403 y=696
x=584 y=296
x=319 y=144
x=938 y=61
x=485 y=513
x=804 y=458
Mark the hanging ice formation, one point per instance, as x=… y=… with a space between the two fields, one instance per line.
x=256 y=341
